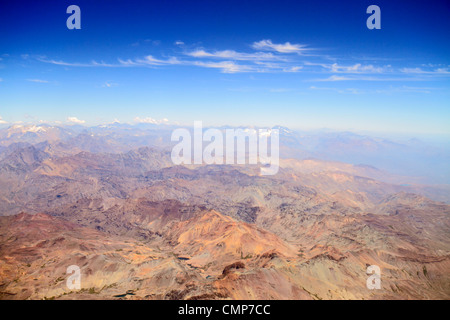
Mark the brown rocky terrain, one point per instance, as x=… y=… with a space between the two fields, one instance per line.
x=141 y=228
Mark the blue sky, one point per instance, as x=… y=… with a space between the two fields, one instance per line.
x=301 y=64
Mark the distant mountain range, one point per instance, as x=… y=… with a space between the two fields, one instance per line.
x=415 y=160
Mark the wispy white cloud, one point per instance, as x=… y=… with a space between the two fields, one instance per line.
x=355 y=68
x=435 y=65
x=406 y=89
x=75 y=120
x=358 y=68
x=128 y=63
x=286 y=47
x=109 y=84
x=388 y=90
x=225 y=66
x=293 y=69
x=146 y=42
x=335 y=78
x=265 y=56
x=365 y=78
x=233 y=55
x=338 y=90
x=2 y=121
x=150 y=60
x=146 y=61
x=37 y=80
x=93 y=63
x=422 y=71
x=260 y=62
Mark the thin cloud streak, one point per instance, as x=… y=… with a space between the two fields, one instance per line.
x=389 y=90
x=286 y=47
x=269 y=57
x=444 y=71
x=364 y=78
x=37 y=80
x=234 y=55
